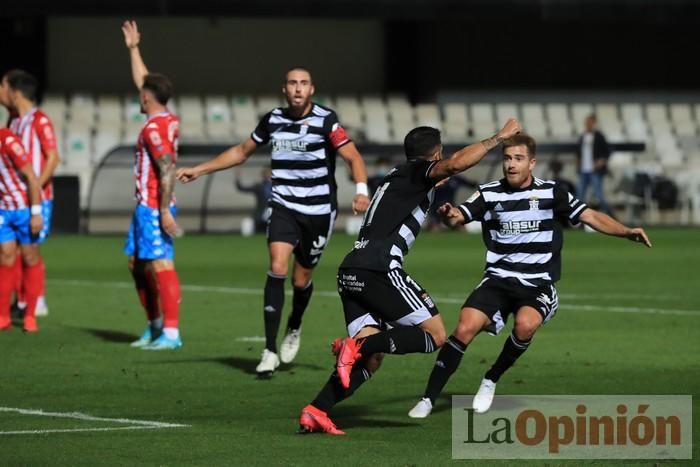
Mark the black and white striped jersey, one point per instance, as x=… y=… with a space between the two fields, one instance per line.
x=303 y=158
x=520 y=229
x=394 y=218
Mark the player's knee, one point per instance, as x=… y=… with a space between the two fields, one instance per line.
x=524 y=330
x=130 y=264
x=300 y=282
x=374 y=362
x=30 y=257
x=439 y=336
x=466 y=330
x=7 y=258
x=279 y=268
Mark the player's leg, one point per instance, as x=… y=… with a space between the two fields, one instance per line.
x=146 y=290
x=165 y=282
x=535 y=306
x=32 y=282
x=8 y=254
x=315 y=233
x=597 y=188
x=42 y=308
x=19 y=304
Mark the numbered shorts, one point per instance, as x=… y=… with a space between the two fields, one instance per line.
x=14 y=227
x=308 y=234
x=146 y=240
x=381 y=298
x=499 y=298
x=46 y=214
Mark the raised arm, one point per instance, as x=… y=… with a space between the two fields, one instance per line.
x=235 y=155
x=34 y=193
x=352 y=156
x=132 y=37
x=607 y=225
x=471 y=155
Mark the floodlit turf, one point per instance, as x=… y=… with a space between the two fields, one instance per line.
x=80 y=360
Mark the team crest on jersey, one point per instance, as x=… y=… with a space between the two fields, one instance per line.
x=534 y=203
x=304 y=128
x=155 y=138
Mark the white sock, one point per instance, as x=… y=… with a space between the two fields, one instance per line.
x=171 y=333
x=41 y=302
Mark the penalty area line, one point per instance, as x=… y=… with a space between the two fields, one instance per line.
x=132 y=423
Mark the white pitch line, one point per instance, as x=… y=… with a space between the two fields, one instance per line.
x=134 y=424
x=450 y=300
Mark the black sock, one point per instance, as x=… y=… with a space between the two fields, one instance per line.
x=399 y=340
x=299 y=304
x=512 y=350
x=272 y=311
x=334 y=392
x=447 y=361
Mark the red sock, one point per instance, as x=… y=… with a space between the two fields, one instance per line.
x=6 y=285
x=42 y=292
x=17 y=283
x=169 y=293
x=147 y=291
x=33 y=284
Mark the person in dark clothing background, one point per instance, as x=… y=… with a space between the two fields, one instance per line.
x=262 y=190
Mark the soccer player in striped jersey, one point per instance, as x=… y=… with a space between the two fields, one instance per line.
x=386 y=311
x=305 y=138
x=20 y=223
x=523 y=240
x=19 y=93
x=149 y=243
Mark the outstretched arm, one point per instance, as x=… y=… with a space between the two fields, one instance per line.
x=235 y=155
x=451 y=216
x=352 y=156
x=607 y=225
x=472 y=154
x=132 y=37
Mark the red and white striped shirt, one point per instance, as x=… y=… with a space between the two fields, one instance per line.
x=38 y=137
x=13 y=190
x=158 y=137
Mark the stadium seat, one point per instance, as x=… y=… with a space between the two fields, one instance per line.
x=109 y=110
x=579 y=112
x=266 y=103
x=560 y=124
x=218 y=118
x=609 y=119
x=634 y=122
x=401 y=115
x=349 y=113
x=682 y=120
x=429 y=115
x=534 y=121
x=456 y=123
x=657 y=116
x=482 y=120
x=105 y=140
x=506 y=110
x=54 y=105
x=191 y=113
x=244 y=115
x=82 y=109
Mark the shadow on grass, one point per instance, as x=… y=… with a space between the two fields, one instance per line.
x=246 y=365
x=348 y=417
x=111 y=335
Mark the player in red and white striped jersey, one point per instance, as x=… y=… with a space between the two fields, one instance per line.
x=149 y=243
x=20 y=223
x=18 y=92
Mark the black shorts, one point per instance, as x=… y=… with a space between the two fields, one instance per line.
x=498 y=298
x=308 y=234
x=381 y=298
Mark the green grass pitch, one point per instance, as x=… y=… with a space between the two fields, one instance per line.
x=628 y=324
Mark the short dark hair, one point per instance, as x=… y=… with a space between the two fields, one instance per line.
x=24 y=82
x=300 y=68
x=522 y=139
x=421 y=142
x=160 y=86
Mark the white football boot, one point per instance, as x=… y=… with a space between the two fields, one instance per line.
x=422 y=409
x=290 y=345
x=484 y=396
x=268 y=363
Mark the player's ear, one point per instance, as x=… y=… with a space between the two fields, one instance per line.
x=313 y=90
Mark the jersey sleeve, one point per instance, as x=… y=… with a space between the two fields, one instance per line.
x=261 y=134
x=335 y=132
x=566 y=204
x=474 y=208
x=14 y=149
x=157 y=141
x=45 y=133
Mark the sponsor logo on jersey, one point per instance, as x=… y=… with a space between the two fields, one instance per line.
x=284 y=145
x=519 y=227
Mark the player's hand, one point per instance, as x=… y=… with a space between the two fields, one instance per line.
x=132 y=37
x=36 y=223
x=360 y=203
x=511 y=128
x=187 y=174
x=451 y=216
x=169 y=226
x=638 y=235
